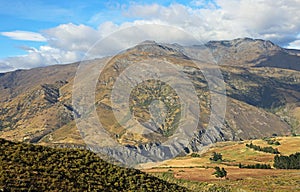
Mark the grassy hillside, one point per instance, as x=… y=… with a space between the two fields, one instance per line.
x=194 y=172
x=25 y=167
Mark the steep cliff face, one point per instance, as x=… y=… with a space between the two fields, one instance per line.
x=262 y=84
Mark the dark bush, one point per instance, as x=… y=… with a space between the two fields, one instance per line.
x=263 y=149
x=255 y=166
x=216 y=157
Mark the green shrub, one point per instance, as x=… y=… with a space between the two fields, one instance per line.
x=195 y=155
x=216 y=157
x=220 y=172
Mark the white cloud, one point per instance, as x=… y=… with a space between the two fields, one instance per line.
x=4 y=67
x=24 y=35
x=107 y=28
x=65 y=43
x=145 y=11
x=273 y=20
x=43 y=56
x=277 y=21
x=69 y=43
x=131 y=34
x=175 y=14
x=72 y=37
x=294 y=45
x=206 y=4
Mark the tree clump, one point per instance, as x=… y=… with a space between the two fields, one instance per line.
x=216 y=157
x=263 y=149
x=255 y=166
x=287 y=162
x=220 y=172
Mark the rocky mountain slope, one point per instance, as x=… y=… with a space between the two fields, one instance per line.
x=262 y=84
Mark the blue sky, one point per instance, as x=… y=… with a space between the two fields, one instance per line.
x=36 y=15
x=37 y=33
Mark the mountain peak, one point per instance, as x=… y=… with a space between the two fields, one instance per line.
x=146 y=42
x=153 y=48
x=257 y=43
x=248 y=51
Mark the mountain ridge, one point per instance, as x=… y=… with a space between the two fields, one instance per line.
x=36 y=105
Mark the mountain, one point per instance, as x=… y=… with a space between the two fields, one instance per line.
x=262 y=83
x=254 y=52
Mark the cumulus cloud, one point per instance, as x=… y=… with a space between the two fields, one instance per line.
x=72 y=37
x=43 y=56
x=24 y=35
x=69 y=42
x=267 y=19
x=294 y=45
x=277 y=21
x=175 y=14
x=4 y=67
x=131 y=34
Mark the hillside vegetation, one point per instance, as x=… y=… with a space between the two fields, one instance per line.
x=27 y=167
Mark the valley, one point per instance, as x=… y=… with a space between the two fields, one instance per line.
x=194 y=172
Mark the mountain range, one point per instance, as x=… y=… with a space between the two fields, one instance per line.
x=262 y=83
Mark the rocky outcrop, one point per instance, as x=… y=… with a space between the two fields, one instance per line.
x=51 y=91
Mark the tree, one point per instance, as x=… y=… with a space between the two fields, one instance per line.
x=220 y=172
x=216 y=157
x=263 y=149
x=287 y=162
x=224 y=172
